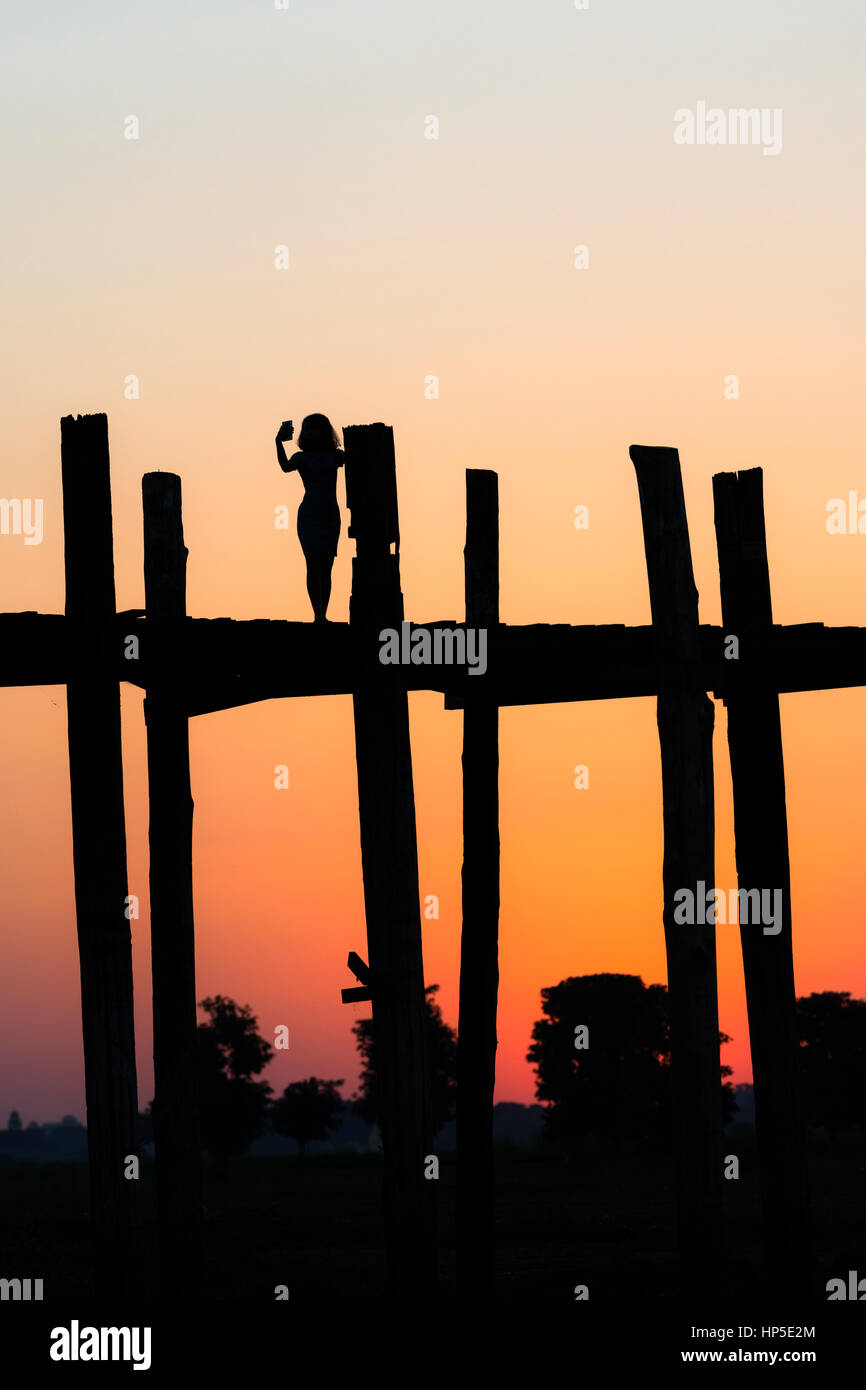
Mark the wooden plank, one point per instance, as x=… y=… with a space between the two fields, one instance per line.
x=685 y=723
x=761 y=829
x=33 y=649
x=358 y=967
x=221 y=664
x=218 y=663
x=361 y=995
x=99 y=849
x=389 y=859
x=176 y=1121
x=479 y=946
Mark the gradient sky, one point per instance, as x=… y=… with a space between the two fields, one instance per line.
x=411 y=257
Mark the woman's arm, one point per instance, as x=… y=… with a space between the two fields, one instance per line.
x=285 y=433
x=287 y=462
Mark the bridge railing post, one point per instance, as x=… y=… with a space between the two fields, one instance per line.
x=761 y=832
x=479 y=945
x=685 y=724
x=389 y=857
x=102 y=902
x=176 y=1122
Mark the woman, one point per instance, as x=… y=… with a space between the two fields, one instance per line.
x=317 y=461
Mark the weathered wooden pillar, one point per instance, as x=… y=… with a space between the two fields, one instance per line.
x=99 y=847
x=479 y=946
x=685 y=723
x=761 y=829
x=176 y=1101
x=390 y=863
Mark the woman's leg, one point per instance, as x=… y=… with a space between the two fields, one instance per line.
x=319 y=583
x=327 y=566
x=314 y=584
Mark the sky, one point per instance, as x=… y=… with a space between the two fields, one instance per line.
x=411 y=258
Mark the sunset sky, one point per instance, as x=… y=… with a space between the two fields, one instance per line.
x=409 y=258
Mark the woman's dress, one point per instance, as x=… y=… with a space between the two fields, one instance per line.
x=319 y=512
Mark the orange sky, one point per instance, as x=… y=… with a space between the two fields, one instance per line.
x=409 y=258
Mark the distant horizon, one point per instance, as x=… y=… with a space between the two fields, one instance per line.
x=524 y=1105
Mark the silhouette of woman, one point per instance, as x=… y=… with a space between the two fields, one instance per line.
x=318 y=458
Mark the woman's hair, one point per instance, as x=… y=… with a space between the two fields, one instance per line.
x=318 y=435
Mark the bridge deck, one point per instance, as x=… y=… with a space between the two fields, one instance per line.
x=220 y=663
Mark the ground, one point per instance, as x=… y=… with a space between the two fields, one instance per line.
x=600 y=1221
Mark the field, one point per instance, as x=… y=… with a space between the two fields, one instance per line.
x=604 y=1220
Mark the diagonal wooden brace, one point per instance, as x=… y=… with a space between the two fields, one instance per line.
x=361 y=971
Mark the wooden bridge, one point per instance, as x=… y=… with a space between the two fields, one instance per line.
x=190 y=666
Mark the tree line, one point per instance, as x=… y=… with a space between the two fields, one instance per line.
x=601 y=1056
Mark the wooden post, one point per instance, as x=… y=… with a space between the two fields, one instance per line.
x=685 y=723
x=176 y=1101
x=479 y=946
x=390 y=864
x=99 y=847
x=761 y=829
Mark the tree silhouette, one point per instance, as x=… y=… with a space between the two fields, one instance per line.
x=442 y=1043
x=14 y=1124
x=613 y=1080
x=832 y=1030
x=307 y=1110
x=229 y=1053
